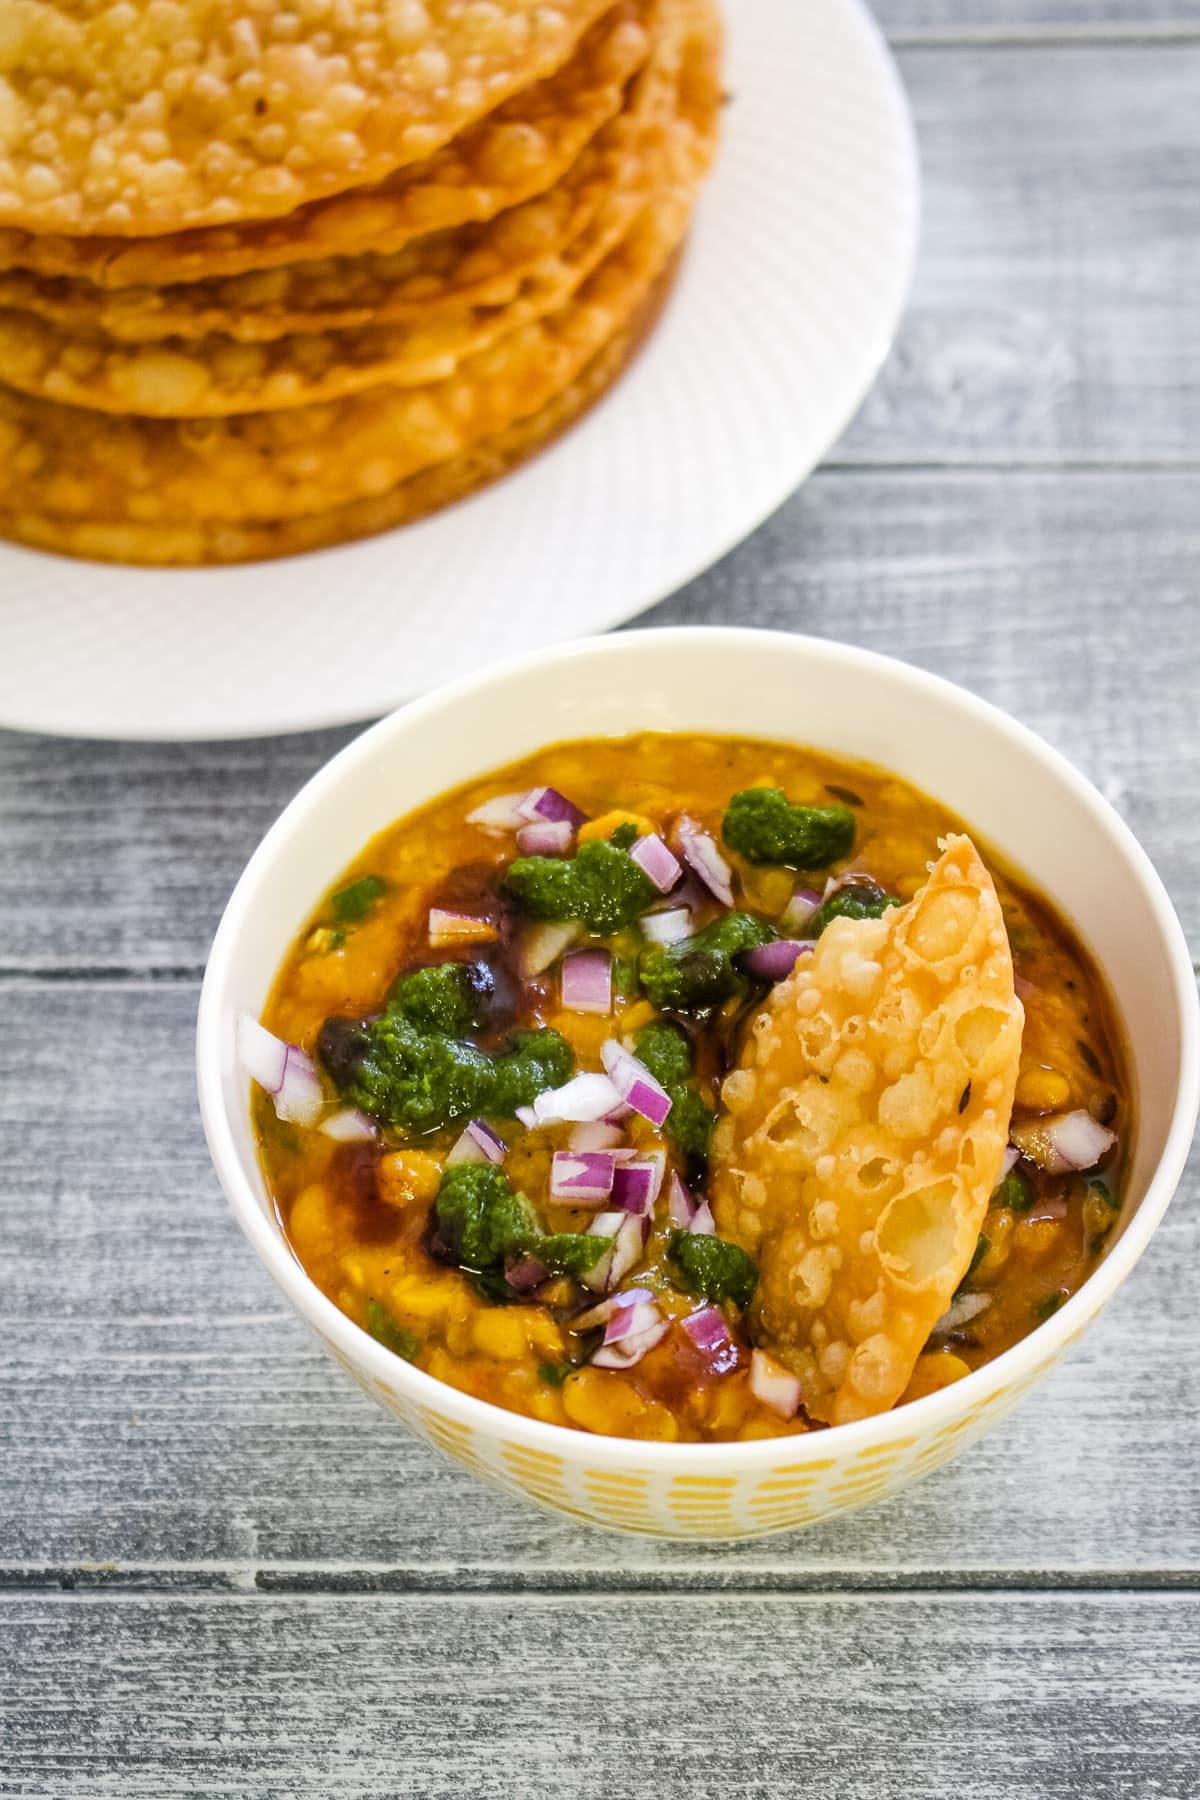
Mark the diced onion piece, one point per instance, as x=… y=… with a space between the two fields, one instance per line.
x=708 y=1330
x=261 y=1054
x=774 y=1385
x=656 y=862
x=594 y=1134
x=627 y=1248
x=1008 y=1162
x=800 y=909
x=631 y=1349
x=527 y=1117
x=774 y=961
x=637 y=1182
x=604 y=1310
x=581 y=1100
x=700 y=853
x=544 y=944
x=348 y=1126
x=582 y=1178
x=458 y=928
x=284 y=1071
x=1063 y=1141
x=300 y=1100
x=501 y=814
x=478 y=1143
x=667 y=927
x=524 y=1274
x=605 y=1225
x=548 y=804
x=702 y=1223
x=635 y=1084
x=681 y=1208
x=546 y=837
x=587 y=981
x=631 y=1318
x=964 y=1308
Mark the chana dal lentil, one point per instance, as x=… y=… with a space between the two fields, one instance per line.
x=447 y=1153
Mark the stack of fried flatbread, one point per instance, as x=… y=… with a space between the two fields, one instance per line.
x=277 y=275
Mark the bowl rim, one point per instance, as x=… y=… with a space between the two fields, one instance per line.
x=1005 y=1372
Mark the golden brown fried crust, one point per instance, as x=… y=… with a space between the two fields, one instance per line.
x=153 y=117
x=506 y=157
x=864 y=1132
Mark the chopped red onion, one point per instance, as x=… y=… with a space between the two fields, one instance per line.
x=681 y=1208
x=604 y=1310
x=587 y=981
x=702 y=1223
x=1063 y=1141
x=527 y=1116
x=627 y=1248
x=667 y=927
x=544 y=944
x=501 y=814
x=774 y=1385
x=547 y=837
x=708 y=1330
x=284 y=1071
x=478 y=1143
x=774 y=961
x=961 y=1310
x=636 y=1182
x=635 y=1084
x=348 y=1126
x=581 y=1100
x=630 y=1319
x=1008 y=1162
x=261 y=1054
x=582 y=1178
x=656 y=861
x=594 y=1134
x=800 y=909
x=605 y=1225
x=700 y=853
x=525 y=1273
x=1049 y=1211
x=458 y=928
x=630 y=1350
x=548 y=804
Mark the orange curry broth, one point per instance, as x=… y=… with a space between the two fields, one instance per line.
x=356 y=1214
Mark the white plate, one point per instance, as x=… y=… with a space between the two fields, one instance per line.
x=785 y=306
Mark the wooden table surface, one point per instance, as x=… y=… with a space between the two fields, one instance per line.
x=224 y=1572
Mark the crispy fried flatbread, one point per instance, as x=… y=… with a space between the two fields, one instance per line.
x=482 y=263
x=519 y=150
x=274 y=465
x=217 y=376
x=864 y=1134
x=413 y=499
x=176 y=113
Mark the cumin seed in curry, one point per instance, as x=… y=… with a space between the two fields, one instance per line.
x=682 y=1087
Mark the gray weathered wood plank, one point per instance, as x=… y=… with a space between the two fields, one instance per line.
x=1070 y=600
x=999 y=21
x=1084 y=1698
x=1050 y=315
x=161 y=1408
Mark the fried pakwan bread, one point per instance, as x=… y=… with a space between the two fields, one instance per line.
x=181 y=545
x=864 y=1132
x=214 y=377
x=273 y=465
x=481 y=263
x=518 y=151
x=130 y=118
x=217 y=376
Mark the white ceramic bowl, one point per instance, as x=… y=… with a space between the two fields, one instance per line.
x=1017 y=793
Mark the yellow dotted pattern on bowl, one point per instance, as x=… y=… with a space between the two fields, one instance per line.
x=642 y=1497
